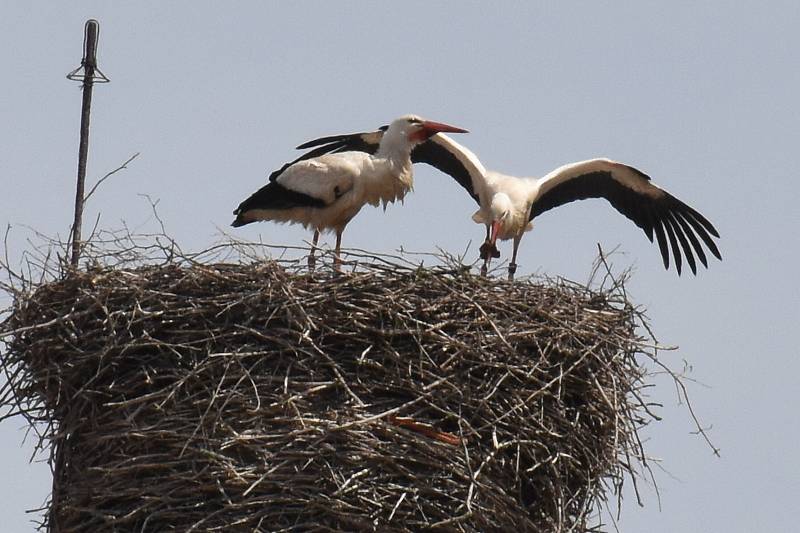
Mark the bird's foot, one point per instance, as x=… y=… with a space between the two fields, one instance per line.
x=312 y=262
x=484 y=270
x=488 y=250
x=512 y=269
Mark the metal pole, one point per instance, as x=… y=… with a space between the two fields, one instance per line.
x=89 y=75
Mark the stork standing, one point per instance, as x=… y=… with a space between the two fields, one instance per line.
x=509 y=204
x=324 y=191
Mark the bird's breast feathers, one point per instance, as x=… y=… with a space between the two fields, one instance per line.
x=384 y=182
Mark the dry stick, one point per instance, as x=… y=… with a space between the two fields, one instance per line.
x=5 y=265
x=108 y=175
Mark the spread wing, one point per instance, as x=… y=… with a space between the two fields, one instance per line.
x=633 y=194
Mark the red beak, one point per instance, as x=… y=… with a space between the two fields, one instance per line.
x=495 y=231
x=432 y=128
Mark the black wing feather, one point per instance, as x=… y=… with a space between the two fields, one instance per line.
x=322 y=150
x=709 y=227
x=685 y=246
x=357 y=141
x=662 y=243
x=349 y=142
x=442 y=159
x=676 y=253
x=687 y=230
x=691 y=217
x=674 y=224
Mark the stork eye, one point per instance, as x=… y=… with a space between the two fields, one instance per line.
x=414 y=121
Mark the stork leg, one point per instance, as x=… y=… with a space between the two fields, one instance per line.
x=512 y=266
x=337 y=259
x=312 y=261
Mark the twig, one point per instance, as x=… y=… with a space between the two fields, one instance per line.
x=108 y=175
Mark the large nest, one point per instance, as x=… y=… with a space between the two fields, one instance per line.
x=220 y=397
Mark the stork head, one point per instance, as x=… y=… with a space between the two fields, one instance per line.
x=501 y=209
x=416 y=129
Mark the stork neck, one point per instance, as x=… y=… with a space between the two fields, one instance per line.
x=395 y=148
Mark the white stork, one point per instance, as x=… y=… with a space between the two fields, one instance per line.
x=509 y=204
x=325 y=191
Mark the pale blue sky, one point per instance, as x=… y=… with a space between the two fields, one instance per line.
x=703 y=96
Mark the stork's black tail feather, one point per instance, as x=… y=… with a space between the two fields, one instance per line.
x=272 y=196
